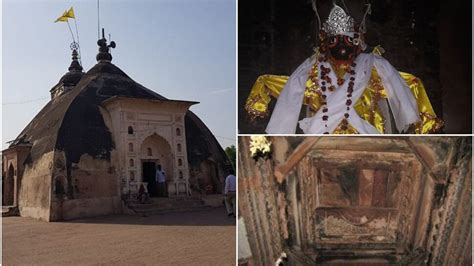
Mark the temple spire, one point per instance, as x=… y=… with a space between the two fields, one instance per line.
x=75 y=65
x=104 y=55
x=69 y=80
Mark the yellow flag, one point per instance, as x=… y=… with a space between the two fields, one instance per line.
x=67 y=14
x=70 y=13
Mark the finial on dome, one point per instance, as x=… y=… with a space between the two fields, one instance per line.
x=75 y=65
x=75 y=73
x=104 y=55
x=71 y=78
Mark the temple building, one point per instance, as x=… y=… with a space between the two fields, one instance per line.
x=355 y=201
x=99 y=138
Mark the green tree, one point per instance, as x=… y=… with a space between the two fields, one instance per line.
x=230 y=151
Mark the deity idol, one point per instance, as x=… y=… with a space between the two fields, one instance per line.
x=346 y=90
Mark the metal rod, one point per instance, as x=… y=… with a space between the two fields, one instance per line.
x=98 y=21
x=78 y=42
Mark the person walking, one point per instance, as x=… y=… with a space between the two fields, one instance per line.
x=229 y=193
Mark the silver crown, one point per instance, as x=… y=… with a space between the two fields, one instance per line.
x=338 y=22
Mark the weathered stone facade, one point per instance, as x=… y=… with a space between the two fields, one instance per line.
x=330 y=200
x=150 y=131
x=100 y=137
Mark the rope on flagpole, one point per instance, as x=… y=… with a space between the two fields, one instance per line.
x=70 y=30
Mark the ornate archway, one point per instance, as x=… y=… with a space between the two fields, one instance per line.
x=155 y=151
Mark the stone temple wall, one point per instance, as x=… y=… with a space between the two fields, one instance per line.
x=325 y=200
x=34 y=195
x=84 y=189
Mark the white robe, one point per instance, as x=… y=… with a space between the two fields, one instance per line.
x=287 y=109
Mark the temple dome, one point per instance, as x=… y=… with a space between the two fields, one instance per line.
x=75 y=73
x=100 y=138
x=72 y=122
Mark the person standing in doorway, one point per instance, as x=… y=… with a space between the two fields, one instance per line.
x=229 y=193
x=160 y=179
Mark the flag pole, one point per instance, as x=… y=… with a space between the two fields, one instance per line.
x=77 y=34
x=98 y=21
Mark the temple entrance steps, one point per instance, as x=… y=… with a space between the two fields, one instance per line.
x=169 y=205
x=9 y=211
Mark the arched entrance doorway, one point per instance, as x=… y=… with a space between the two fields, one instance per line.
x=155 y=153
x=9 y=186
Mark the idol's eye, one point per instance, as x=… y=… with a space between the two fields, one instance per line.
x=350 y=41
x=333 y=40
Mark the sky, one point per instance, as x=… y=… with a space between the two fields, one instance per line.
x=182 y=49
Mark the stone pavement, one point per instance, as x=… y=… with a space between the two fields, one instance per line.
x=199 y=238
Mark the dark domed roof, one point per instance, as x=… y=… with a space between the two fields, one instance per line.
x=71 y=78
x=73 y=123
x=75 y=73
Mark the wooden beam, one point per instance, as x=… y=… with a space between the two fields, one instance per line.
x=283 y=169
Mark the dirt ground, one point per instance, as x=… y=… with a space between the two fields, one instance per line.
x=191 y=238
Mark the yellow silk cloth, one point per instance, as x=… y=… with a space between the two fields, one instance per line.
x=268 y=86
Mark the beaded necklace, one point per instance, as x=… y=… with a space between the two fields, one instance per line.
x=326 y=84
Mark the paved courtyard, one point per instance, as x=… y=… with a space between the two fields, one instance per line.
x=191 y=238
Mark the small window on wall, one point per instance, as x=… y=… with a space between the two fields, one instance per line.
x=180 y=175
x=149 y=152
x=130 y=130
x=130 y=147
x=180 y=162
x=132 y=164
x=178 y=132
x=132 y=175
x=179 y=147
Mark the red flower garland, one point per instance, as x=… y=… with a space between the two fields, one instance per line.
x=326 y=79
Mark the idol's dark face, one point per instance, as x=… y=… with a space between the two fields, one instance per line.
x=342 y=48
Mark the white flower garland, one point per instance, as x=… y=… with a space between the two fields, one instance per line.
x=259 y=144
